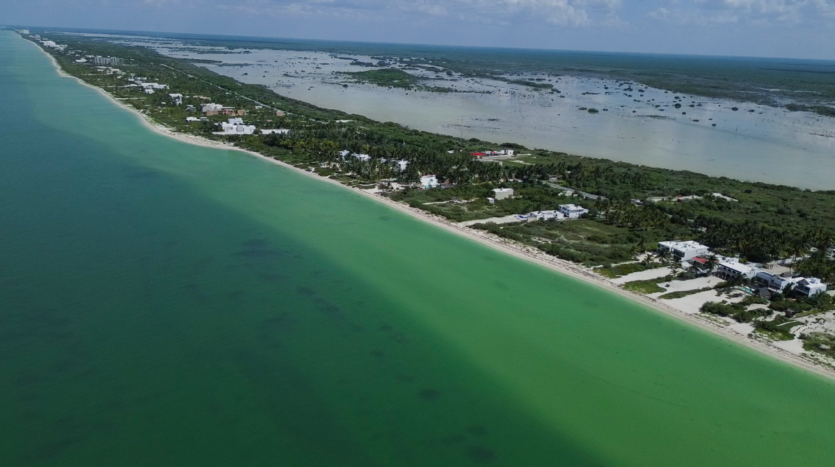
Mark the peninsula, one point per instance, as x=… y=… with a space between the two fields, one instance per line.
x=750 y=261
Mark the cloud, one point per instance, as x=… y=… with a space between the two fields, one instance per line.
x=755 y=12
x=569 y=13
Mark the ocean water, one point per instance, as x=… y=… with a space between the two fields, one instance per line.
x=166 y=304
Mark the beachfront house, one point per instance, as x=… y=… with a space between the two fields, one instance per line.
x=545 y=215
x=108 y=61
x=211 y=109
x=154 y=86
x=730 y=269
x=428 y=181
x=809 y=286
x=683 y=250
x=235 y=126
x=176 y=99
x=502 y=193
x=572 y=211
x=774 y=282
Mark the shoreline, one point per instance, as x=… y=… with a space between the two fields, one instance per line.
x=522 y=252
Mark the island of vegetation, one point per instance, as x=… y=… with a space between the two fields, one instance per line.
x=610 y=219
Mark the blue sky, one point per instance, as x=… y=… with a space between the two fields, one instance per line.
x=772 y=28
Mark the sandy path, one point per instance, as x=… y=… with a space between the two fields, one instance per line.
x=511 y=248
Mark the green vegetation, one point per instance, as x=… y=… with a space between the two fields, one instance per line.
x=819 y=342
x=648 y=286
x=683 y=293
x=820 y=303
x=778 y=329
x=626 y=269
x=388 y=77
x=737 y=311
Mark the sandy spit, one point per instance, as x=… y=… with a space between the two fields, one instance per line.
x=506 y=246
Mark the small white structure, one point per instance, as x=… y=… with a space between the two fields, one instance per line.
x=236 y=126
x=721 y=196
x=810 y=286
x=428 y=181
x=109 y=61
x=731 y=269
x=277 y=131
x=401 y=164
x=211 y=108
x=155 y=86
x=684 y=251
x=502 y=193
x=177 y=99
x=545 y=215
x=572 y=211
x=192 y=119
x=362 y=157
x=774 y=282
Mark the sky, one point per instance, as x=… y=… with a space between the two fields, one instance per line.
x=762 y=28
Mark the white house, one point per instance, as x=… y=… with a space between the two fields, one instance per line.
x=211 y=108
x=428 y=181
x=684 y=251
x=810 y=286
x=401 y=164
x=236 y=126
x=155 y=86
x=774 y=282
x=545 y=215
x=192 y=119
x=731 y=269
x=502 y=193
x=176 y=98
x=572 y=211
x=361 y=157
x=278 y=131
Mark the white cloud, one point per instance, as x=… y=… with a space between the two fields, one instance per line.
x=569 y=13
x=754 y=12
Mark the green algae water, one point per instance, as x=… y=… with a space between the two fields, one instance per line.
x=166 y=304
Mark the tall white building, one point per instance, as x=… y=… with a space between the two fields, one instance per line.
x=684 y=251
x=428 y=181
x=572 y=211
x=235 y=126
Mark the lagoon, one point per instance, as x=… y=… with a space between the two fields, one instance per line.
x=717 y=137
x=168 y=304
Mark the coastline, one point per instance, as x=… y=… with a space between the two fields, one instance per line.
x=505 y=246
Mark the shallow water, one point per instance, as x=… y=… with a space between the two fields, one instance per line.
x=757 y=143
x=166 y=304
